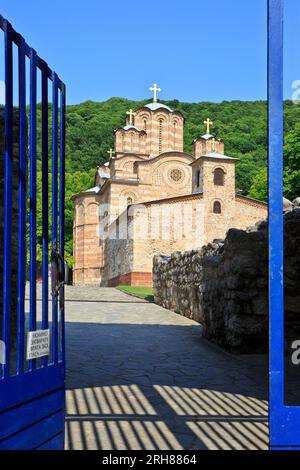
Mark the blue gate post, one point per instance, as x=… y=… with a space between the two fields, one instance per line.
x=32 y=393
x=284 y=420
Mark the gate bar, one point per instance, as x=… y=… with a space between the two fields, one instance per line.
x=45 y=215
x=22 y=208
x=16 y=38
x=33 y=166
x=61 y=212
x=54 y=214
x=8 y=185
x=275 y=117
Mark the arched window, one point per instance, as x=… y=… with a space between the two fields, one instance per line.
x=129 y=201
x=174 y=124
x=145 y=125
x=198 y=175
x=160 y=135
x=106 y=221
x=219 y=177
x=217 y=208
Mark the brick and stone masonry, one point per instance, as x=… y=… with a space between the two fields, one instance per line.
x=224 y=286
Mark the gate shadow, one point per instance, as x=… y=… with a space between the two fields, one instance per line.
x=162 y=387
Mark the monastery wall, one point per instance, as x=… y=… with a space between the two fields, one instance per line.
x=154 y=228
x=238 y=213
x=224 y=286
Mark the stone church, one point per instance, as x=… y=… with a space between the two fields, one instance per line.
x=153 y=198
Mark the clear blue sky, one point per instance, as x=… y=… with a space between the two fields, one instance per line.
x=196 y=50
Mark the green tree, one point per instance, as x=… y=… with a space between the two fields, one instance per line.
x=259 y=186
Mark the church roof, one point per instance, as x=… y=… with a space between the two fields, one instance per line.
x=95 y=189
x=219 y=156
x=102 y=174
x=126 y=128
x=155 y=106
x=206 y=136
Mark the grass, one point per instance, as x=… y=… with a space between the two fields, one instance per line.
x=141 y=292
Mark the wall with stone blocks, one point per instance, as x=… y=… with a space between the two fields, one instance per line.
x=15 y=219
x=224 y=286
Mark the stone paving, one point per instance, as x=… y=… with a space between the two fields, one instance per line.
x=142 y=377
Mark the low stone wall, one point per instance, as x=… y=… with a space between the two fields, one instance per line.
x=224 y=286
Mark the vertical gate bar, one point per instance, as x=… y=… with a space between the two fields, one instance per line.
x=22 y=207
x=62 y=213
x=45 y=215
x=8 y=189
x=275 y=177
x=32 y=219
x=54 y=217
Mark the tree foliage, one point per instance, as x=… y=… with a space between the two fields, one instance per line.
x=291 y=180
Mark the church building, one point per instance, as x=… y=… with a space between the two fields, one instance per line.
x=153 y=198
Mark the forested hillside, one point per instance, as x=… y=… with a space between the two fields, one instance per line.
x=242 y=125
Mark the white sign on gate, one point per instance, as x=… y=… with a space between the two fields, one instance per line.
x=38 y=344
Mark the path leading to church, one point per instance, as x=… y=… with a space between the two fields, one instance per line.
x=142 y=377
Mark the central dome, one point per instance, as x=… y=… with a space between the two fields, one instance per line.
x=155 y=106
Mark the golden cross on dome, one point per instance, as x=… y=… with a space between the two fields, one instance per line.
x=110 y=152
x=208 y=123
x=130 y=113
x=155 y=90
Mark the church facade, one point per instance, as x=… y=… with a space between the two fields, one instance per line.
x=153 y=198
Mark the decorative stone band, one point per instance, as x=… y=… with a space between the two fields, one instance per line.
x=250 y=202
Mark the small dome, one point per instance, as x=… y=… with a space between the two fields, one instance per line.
x=206 y=136
x=126 y=128
x=155 y=106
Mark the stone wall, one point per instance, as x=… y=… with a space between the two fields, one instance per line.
x=15 y=220
x=224 y=286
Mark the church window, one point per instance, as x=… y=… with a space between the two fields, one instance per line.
x=198 y=175
x=217 y=207
x=145 y=125
x=129 y=201
x=176 y=175
x=160 y=135
x=174 y=123
x=105 y=219
x=157 y=177
x=219 y=177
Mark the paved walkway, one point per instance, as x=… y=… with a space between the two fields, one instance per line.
x=142 y=377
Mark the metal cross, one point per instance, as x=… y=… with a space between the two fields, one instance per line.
x=155 y=90
x=110 y=152
x=208 y=123
x=130 y=113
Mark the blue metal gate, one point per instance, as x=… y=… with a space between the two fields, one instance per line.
x=284 y=420
x=32 y=392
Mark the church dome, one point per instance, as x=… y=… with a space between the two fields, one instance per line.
x=126 y=128
x=155 y=106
